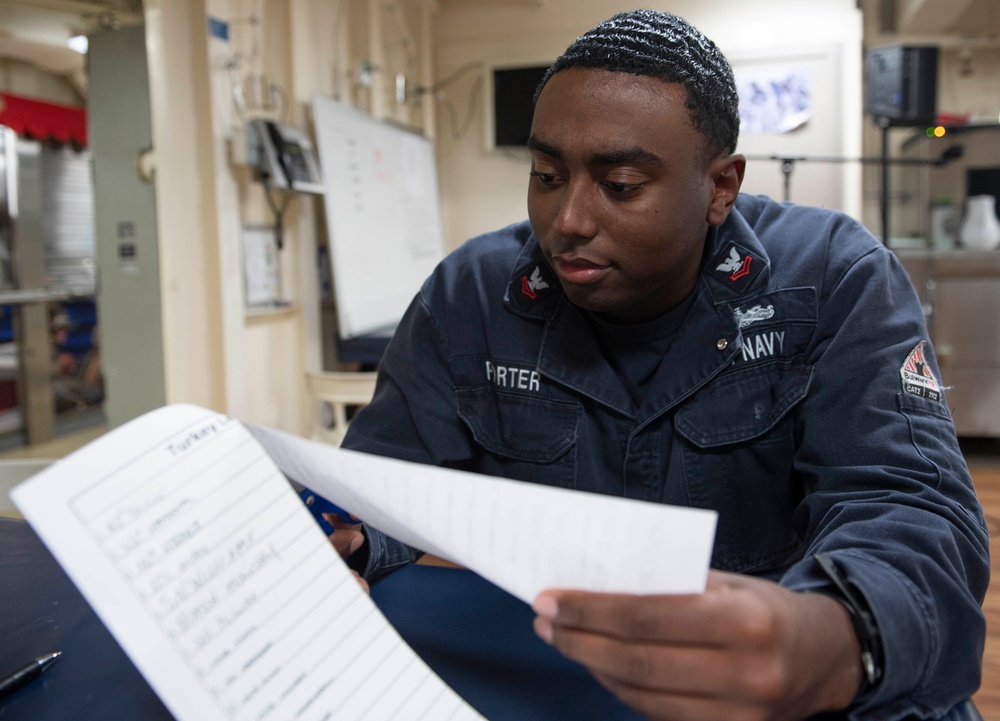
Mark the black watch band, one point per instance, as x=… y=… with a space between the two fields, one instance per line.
x=864 y=624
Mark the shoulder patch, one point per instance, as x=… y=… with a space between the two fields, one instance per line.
x=918 y=378
x=734 y=267
x=532 y=286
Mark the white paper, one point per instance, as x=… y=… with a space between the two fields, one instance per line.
x=521 y=536
x=209 y=571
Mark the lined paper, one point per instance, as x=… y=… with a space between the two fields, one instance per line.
x=201 y=560
x=521 y=536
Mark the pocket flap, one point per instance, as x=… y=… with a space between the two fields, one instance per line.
x=518 y=426
x=742 y=405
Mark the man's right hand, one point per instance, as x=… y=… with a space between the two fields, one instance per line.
x=346 y=539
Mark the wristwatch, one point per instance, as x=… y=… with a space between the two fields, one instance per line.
x=864 y=624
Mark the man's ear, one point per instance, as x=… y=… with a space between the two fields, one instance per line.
x=727 y=175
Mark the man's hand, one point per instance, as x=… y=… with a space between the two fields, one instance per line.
x=346 y=539
x=745 y=650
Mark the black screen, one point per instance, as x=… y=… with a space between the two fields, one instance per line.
x=902 y=84
x=513 y=104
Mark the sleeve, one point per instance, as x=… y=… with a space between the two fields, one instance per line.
x=889 y=497
x=413 y=416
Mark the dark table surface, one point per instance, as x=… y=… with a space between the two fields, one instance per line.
x=475 y=636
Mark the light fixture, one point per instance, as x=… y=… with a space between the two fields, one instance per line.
x=78 y=43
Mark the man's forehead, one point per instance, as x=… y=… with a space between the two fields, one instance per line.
x=619 y=117
x=584 y=79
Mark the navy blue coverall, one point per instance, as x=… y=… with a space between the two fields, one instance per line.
x=799 y=399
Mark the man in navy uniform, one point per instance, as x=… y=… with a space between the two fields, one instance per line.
x=651 y=333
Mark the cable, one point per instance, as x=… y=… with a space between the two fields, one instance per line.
x=285 y=104
x=279 y=213
x=441 y=84
x=458 y=131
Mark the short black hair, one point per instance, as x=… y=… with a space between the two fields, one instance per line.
x=662 y=45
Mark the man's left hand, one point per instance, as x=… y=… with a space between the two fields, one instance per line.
x=745 y=650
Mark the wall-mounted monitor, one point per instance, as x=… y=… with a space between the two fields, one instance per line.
x=902 y=84
x=510 y=104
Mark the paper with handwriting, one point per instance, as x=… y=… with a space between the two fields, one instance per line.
x=201 y=560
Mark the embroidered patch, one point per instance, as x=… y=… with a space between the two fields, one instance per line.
x=736 y=265
x=530 y=287
x=745 y=318
x=918 y=378
x=513 y=377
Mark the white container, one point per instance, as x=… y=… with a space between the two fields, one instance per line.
x=980 y=227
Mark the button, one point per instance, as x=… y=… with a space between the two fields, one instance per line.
x=310 y=500
x=722 y=344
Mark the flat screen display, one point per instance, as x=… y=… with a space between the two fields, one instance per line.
x=513 y=104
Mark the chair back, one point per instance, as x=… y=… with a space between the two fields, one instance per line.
x=338 y=390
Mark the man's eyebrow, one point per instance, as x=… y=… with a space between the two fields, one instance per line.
x=544 y=148
x=626 y=155
x=611 y=157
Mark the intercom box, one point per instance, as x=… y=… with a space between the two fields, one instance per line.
x=902 y=83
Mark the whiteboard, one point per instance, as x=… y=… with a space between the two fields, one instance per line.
x=383 y=215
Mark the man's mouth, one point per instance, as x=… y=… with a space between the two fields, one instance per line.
x=579 y=270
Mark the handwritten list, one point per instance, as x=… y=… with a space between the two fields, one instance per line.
x=202 y=561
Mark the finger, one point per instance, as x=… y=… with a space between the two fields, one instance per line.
x=362 y=582
x=346 y=541
x=690 y=670
x=685 y=619
x=733 y=611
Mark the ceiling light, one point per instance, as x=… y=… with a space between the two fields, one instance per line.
x=78 y=43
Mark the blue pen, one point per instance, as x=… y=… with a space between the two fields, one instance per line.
x=318 y=506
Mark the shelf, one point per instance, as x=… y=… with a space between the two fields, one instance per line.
x=258 y=313
x=955 y=263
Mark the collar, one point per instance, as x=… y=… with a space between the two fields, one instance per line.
x=533 y=290
x=736 y=264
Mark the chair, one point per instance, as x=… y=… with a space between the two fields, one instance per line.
x=339 y=390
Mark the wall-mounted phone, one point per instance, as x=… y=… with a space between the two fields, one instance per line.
x=287 y=159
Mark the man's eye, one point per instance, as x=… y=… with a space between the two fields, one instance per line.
x=543 y=178
x=622 y=188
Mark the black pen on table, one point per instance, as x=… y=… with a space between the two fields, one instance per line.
x=27 y=673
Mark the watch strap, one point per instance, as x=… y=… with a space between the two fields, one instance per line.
x=863 y=621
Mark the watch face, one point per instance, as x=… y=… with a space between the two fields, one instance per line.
x=871 y=670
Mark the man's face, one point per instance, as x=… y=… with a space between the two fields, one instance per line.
x=622 y=191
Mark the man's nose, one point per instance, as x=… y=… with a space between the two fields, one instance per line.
x=576 y=214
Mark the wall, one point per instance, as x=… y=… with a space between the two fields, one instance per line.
x=251 y=365
x=215 y=355
x=482 y=190
x=176 y=37
x=20 y=78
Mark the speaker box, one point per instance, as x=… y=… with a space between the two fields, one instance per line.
x=902 y=84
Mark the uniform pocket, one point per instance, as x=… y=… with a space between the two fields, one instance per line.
x=743 y=405
x=737 y=448
x=529 y=438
